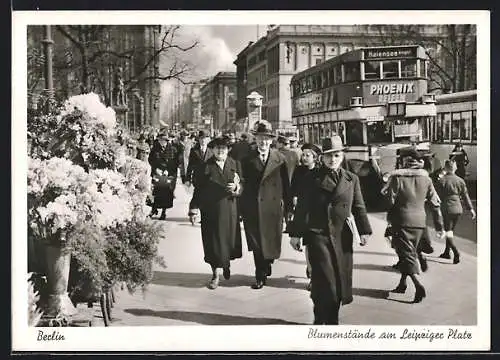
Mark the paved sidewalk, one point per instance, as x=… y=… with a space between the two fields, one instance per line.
x=178 y=294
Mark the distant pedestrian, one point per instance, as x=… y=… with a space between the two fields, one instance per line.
x=452 y=189
x=198 y=155
x=407 y=191
x=462 y=160
x=219 y=182
x=330 y=216
x=165 y=160
x=264 y=201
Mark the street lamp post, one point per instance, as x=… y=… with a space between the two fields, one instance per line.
x=47 y=47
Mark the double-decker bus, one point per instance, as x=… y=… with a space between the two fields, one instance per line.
x=375 y=98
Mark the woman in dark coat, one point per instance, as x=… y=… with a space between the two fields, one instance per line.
x=452 y=189
x=217 y=186
x=323 y=218
x=165 y=160
x=309 y=161
x=407 y=191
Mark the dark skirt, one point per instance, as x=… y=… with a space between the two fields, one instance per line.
x=405 y=241
x=163 y=193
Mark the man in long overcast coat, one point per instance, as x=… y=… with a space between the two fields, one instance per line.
x=264 y=201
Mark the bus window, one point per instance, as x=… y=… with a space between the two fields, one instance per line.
x=465 y=126
x=423 y=64
x=455 y=126
x=354 y=133
x=424 y=128
x=408 y=68
x=338 y=74
x=324 y=79
x=474 y=134
x=379 y=132
x=438 y=128
x=351 y=71
x=331 y=77
x=341 y=130
x=390 y=70
x=446 y=126
x=372 y=70
x=303 y=86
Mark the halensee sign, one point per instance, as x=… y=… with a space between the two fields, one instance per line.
x=390 y=53
x=392 y=92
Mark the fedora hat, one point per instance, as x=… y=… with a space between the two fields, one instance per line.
x=283 y=140
x=313 y=147
x=203 y=134
x=332 y=144
x=263 y=127
x=220 y=141
x=163 y=134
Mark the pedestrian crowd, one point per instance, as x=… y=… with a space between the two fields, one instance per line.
x=273 y=184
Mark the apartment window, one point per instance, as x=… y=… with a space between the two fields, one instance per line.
x=423 y=71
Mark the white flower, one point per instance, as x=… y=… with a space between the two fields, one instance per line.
x=91 y=105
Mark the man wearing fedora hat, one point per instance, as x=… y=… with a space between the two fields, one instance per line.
x=264 y=201
x=330 y=215
x=198 y=155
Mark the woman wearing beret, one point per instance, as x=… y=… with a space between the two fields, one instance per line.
x=309 y=161
x=324 y=220
x=407 y=191
x=217 y=185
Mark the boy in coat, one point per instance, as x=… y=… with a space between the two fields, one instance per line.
x=264 y=201
x=322 y=218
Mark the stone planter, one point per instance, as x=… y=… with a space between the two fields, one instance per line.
x=58 y=264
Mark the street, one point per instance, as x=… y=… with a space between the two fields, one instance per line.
x=178 y=294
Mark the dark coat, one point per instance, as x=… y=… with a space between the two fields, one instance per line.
x=292 y=160
x=196 y=159
x=323 y=207
x=240 y=150
x=462 y=160
x=220 y=227
x=264 y=200
x=165 y=158
x=451 y=189
x=298 y=179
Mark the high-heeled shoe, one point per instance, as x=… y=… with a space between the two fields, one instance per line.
x=400 y=289
x=214 y=283
x=419 y=294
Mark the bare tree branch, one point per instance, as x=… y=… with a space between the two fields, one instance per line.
x=75 y=42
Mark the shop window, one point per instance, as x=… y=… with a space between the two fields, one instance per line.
x=351 y=71
x=372 y=70
x=354 y=133
x=390 y=70
x=408 y=68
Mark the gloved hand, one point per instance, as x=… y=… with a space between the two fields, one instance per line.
x=295 y=243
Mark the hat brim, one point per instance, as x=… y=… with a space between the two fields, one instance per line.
x=334 y=150
x=268 y=134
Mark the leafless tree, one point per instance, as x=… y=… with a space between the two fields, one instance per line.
x=92 y=53
x=451 y=50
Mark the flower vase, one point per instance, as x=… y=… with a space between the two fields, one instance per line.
x=58 y=302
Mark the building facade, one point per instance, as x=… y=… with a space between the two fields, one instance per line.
x=268 y=65
x=73 y=76
x=218 y=101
